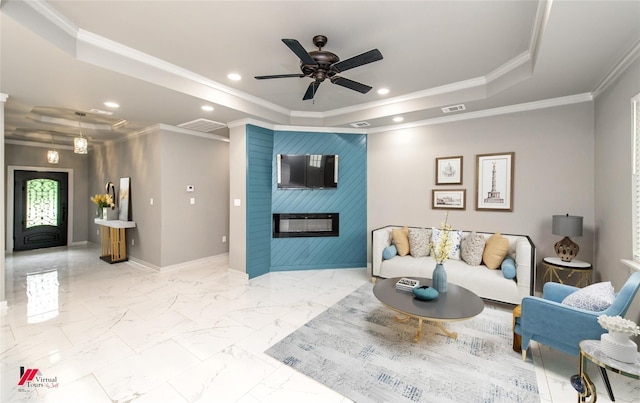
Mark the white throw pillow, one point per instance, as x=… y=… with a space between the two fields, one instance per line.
x=471 y=248
x=419 y=239
x=596 y=297
x=454 y=238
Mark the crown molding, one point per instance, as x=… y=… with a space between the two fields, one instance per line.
x=89 y=47
x=157 y=127
x=631 y=56
x=290 y=128
x=528 y=106
x=37 y=144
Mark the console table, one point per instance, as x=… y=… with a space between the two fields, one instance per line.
x=112 y=239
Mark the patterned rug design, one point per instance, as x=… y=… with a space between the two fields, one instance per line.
x=357 y=349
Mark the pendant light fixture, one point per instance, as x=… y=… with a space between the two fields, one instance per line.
x=80 y=144
x=52 y=155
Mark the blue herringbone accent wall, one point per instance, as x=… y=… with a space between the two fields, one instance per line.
x=258 y=205
x=349 y=199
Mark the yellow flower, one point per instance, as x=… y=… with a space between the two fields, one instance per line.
x=442 y=250
x=103 y=200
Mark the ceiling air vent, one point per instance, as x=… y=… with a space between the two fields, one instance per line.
x=202 y=125
x=453 y=108
x=360 y=124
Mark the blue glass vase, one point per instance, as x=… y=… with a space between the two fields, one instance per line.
x=439 y=278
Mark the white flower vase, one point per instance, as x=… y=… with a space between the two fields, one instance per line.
x=618 y=346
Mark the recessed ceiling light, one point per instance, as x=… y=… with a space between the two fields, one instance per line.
x=234 y=76
x=383 y=91
x=207 y=108
x=398 y=119
x=111 y=104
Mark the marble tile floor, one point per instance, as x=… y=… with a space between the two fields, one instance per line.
x=123 y=332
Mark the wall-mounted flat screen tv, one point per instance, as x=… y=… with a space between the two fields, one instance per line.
x=307 y=171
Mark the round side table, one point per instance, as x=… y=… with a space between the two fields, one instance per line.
x=555 y=266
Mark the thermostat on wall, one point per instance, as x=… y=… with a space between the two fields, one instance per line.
x=191 y=188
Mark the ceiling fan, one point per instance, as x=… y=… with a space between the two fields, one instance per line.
x=321 y=64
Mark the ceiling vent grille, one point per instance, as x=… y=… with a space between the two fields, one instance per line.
x=202 y=125
x=360 y=124
x=453 y=108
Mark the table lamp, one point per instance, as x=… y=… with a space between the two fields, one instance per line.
x=566 y=226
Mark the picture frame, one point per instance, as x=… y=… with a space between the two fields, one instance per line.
x=449 y=199
x=449 y=170
x=494 y=181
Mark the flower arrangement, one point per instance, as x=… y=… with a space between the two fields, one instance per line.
x=442 y=250
x=619 y=324
x=103 y=200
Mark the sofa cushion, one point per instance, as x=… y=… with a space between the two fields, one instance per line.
x=419 y=239
x=389 y=252
x=400 y=238
x=454 y=239
x=471 y=248
x=508 y=267
x=495 y=250
x=595 y=297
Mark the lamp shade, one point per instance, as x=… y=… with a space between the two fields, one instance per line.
x=567 y=225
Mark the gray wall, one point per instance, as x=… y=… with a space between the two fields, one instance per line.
x=28 y=156
x=553 y=173
x=238 y=191
x=161 y=162
x=193 y=231
x=140 y=159
x=613 y=169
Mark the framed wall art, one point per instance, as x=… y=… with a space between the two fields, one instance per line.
x=449 y=199
x=449 y=171
x=494 y=181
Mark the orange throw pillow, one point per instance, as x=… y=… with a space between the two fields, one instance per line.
x=495 y=250
x=400 y=238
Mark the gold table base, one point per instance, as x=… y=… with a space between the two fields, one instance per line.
x=439 y=324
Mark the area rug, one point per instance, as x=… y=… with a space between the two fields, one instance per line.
x=357 y=349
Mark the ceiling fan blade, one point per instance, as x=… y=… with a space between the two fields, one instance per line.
x=352 y=85
x=365 y=58
x=311 y=90
x=301 y=52
x=278 y=76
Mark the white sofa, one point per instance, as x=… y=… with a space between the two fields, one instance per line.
x=486 y=283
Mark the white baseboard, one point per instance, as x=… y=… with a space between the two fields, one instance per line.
x=182 y=265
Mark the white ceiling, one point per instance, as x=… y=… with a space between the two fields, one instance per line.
x=162 y=60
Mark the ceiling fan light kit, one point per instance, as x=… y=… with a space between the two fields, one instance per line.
x=321 y=65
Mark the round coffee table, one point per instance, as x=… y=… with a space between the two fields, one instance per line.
x=456 y=304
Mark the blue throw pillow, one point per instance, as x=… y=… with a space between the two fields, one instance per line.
x=389 y=252
x=508 y=268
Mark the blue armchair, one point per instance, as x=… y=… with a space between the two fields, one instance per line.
x=562 y=327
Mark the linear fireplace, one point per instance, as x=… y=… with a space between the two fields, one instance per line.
x=305 y=225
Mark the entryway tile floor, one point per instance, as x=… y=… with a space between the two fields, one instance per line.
x=105 y=333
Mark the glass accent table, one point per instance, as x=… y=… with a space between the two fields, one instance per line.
x=590 y=350
x=554 y=266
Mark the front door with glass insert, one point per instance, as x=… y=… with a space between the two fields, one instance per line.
x=40 y=210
